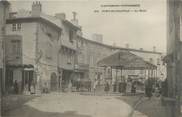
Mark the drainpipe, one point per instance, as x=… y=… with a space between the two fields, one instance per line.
x=59 y=74
x=37 y=77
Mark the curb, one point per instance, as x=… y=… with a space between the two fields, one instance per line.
x=109 y=94
x=139 y=101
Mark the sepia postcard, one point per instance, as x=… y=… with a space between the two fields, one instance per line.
x=90 y=58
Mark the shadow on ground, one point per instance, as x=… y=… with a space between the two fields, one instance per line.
x=150 y=108
x=27 y=111
x=11 y=102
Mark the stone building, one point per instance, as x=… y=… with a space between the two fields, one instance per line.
x=67 y=52
x=33 y=44
x=91 y=51
x=46 y=45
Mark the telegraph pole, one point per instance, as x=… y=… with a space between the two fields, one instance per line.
x=174 y=56
x=5 y=12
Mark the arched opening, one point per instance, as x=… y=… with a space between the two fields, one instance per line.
x=53 y=82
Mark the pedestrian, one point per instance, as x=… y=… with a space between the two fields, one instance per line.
x=133 y=87
x=114 y=87
x=148 y=88
x=124 y=87
x=26 y=90
x=70 y=86
x=106 y=89
x=89 y=85
x=16 y=87
x=32 y=89
x=95 y=86
x=63 y=85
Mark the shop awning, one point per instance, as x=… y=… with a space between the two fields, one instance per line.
x=125 y=60
x=81 y=67
x=19 y=66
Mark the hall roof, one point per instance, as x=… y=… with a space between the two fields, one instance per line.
x=125 y=60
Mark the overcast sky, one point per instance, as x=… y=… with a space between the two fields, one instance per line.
x=139 y=30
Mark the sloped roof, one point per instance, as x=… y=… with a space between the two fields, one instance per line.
x=126 y=60
x=26 y=16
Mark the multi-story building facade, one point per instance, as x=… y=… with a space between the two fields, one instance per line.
x=33 y=44
x=67 y=52
x=45 y=48
x=90 y=52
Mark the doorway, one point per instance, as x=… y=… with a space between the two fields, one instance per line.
x=54 y=82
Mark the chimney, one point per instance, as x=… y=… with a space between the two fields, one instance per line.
x=36 y=9
x=127 y=45
x=114 y=44
x=74 y=20
x=98 y=38
x=154 y=49
x=61 y=16
x=79 y=33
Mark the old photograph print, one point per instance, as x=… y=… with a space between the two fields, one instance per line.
x=90 y=58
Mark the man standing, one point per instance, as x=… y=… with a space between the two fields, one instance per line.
x=15 y=87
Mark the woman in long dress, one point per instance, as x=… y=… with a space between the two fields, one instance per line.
x=70 y=86
x=106 y=89
x=95 y=86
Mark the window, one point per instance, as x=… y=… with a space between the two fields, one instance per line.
x=141 y=71
x=16 y=27
x=69 y=59
x=19 y=26
x=151 y=60
x=82 y=43
x=158 y=61
x=71 y=36
x=49 y=51
x=13 y=27
x=16 y=47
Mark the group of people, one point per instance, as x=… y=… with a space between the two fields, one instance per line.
x=153 y=88
x=78 y=85
x=117 y=87
x=28 y=89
